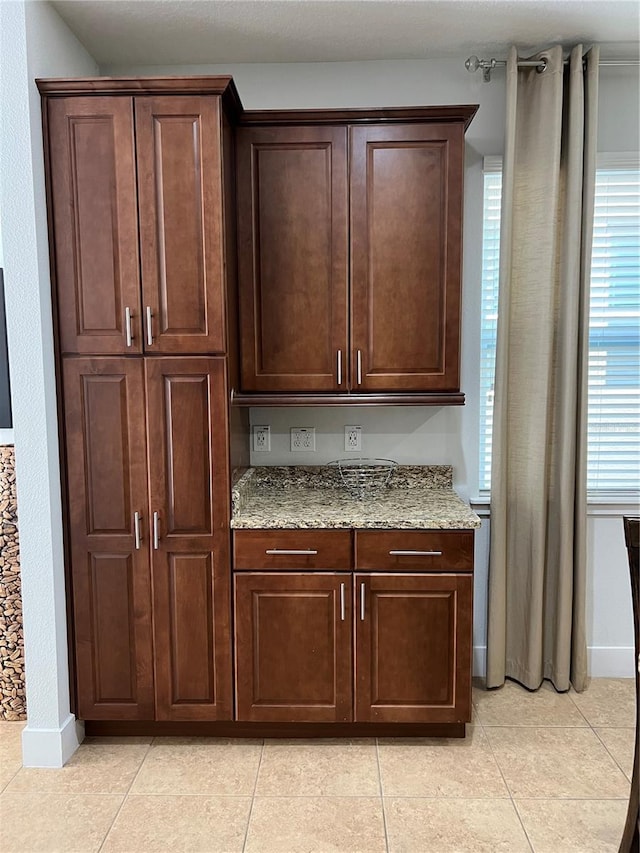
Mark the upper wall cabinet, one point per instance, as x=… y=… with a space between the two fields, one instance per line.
x=293 y=258
x=349 y=241
x=406 y=218
x=137 y=223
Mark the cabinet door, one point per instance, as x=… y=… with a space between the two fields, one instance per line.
x=406 y=215
x=413 y=648
x=292 y=255
x=188 y=466
x=107 y=479
x=180 y=189
x=293 y=647
x=94 y=216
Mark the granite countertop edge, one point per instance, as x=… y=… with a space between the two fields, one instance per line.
x=419 y=498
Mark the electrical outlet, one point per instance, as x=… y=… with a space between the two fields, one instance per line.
x=353 y=438
x=303 y=439
x=262 y=438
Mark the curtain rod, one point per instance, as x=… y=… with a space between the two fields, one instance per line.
x=487 y=65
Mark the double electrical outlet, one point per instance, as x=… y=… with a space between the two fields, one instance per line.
x=352 y=438
x=303 y=439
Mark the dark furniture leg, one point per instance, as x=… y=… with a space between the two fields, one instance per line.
x=631 y=837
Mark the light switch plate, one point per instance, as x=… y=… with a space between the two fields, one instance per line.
x=303 y=439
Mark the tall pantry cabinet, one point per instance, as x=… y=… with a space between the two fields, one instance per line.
x=140 y=184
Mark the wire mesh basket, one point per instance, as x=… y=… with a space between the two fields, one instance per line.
x=364 y=477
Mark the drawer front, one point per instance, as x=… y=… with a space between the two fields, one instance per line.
x=414 y=550
x=292 y=549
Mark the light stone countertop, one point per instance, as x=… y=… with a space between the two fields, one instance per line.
x=417 y=497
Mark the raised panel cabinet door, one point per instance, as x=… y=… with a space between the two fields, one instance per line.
x=181 y=239
x=293 y=258
x=109 y=537
x=413 y=648
x=293 y=638
x=94 y=219
x=188 y=506
x=406 y=222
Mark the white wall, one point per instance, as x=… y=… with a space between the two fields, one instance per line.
x=34 y=42
x=446 y=435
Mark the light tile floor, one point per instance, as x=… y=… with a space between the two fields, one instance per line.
x=539 y=772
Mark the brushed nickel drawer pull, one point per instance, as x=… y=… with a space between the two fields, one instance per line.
x=127 y=326
x=362 y=602
x=304 y=553
x=149 y=327
x=342 y=602
x=415 y=553
x=136 y=530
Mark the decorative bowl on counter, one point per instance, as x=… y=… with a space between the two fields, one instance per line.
x=364 y=477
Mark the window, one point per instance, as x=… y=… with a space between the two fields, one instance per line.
x=613 y=458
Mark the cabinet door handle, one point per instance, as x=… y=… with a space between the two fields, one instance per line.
x=342 y=602
x=362 y=602
x=304 y=553
x=156 y=530
x=359 y=367
x=136 y=530
x=339 y=367
x=149 y=326
x=127 y=326
x=415 y=553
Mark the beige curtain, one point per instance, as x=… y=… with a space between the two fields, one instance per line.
x=536 y=620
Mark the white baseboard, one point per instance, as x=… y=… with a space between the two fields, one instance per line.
x=611 y=661
x=479 y=661
x=51 y=747
x=603 y=661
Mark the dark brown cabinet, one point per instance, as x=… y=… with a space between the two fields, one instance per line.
x=293 y=258
x=411 y=633
x=107 y=478
x=406 y=231
x=137 y=171
x=392 y=326
x=137 y=526
x=293 y=647
x=94 y=224
x=413 y=648
x=188 y=512
x=317 y=253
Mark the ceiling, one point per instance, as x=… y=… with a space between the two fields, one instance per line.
x=194 y=32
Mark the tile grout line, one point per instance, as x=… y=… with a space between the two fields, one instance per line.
x=613 y=758
x=126 y=794
x=513 y=802
x=384 y=814
x=580 y=711
x=253 y=796
x=3 y=790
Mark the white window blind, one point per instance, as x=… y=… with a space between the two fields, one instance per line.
x=490 y=275
x=613 y=459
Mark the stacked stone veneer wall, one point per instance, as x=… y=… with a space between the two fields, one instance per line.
x=13 y=706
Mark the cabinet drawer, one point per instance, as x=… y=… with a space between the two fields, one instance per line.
x=292 y=549
x=414 y=550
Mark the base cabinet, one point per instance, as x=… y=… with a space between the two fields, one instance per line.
x=410 y=661
x=413 y=648
x=293 y=647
